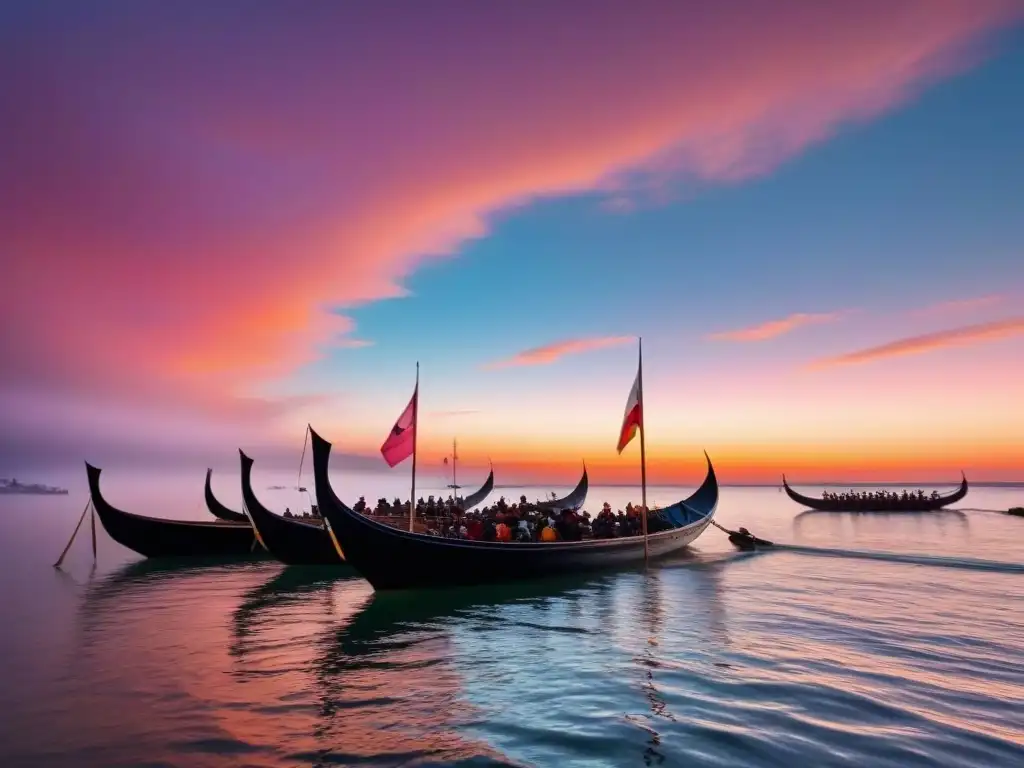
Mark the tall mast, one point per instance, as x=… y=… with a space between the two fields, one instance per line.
x=643 y=450
x=415 y=429
x=455 y=460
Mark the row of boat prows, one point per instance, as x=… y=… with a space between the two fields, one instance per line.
x=13 y=486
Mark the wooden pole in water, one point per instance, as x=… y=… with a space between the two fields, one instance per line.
x=643 y=449
x=93 y=521
x=415 y=429
x=71 y=541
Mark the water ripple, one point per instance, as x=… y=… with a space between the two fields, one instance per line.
x=713 y=659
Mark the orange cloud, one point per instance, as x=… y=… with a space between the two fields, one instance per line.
x=551 y=353
x=960 y=305
x=774 y=328
x=914 y=345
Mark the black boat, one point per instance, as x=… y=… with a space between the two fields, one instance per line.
x=572 y=502
x=292 y=541
x=217 y=509
x=393 y=559
x=868 y=504
x=156 y=537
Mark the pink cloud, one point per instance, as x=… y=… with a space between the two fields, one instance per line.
x=551 y=353
x=915 y=345
x=960 y=305
x=774 y=328
x=192 y=199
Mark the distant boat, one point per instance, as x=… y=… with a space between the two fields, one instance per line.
x=13 y=486
x=871 y=503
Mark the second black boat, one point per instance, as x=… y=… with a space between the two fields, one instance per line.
x=294 y=542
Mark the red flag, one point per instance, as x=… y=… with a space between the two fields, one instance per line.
x=400 y=443
x=634 y=415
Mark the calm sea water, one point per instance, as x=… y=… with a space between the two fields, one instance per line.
x=813 y=657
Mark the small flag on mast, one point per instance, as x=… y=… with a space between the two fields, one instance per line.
x=400 y=442
x=633 y=418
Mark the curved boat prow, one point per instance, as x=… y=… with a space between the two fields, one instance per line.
x=699 y=505
x=217 y=509
x=574 y=500
x=93 y=473
x=293 y=542
x=473 y=499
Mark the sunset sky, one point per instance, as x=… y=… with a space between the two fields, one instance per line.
x=220 y=221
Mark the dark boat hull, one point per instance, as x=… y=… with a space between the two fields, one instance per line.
x=217 y=509
x=393 y=559
x=154 y=537
x=293 y=542
x=911 y=505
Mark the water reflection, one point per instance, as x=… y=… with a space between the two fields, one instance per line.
x=938 y=515
x=652 y=616
x=309 y=586
x=396 y=668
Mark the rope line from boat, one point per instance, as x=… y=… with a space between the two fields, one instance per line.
x=88 y=506
x=746 y=541
x=979 y=509
x=302 y=458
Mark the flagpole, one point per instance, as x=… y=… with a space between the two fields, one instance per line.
x=643 y=449
x=415 y=430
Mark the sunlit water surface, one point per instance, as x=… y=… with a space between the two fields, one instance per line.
x=911 y=657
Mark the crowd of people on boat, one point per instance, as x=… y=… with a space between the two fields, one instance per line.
x=310 y=515
x=520 y=521
x=890 y=499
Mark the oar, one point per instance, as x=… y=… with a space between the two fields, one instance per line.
x=71 y=541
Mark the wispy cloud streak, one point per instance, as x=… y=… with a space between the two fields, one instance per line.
x=959 y=305
x=915 y=345
x=775 y=328
x=550 y=353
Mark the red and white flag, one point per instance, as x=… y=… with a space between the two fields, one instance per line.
x=633 y=418
x=400 y=443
